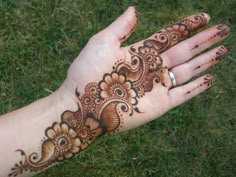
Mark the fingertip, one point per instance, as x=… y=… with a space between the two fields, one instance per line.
x=225 y=49
x=223 y=31
x=222 y=50
x=208 y=81
x=206 y=16
x=124 y=26
x=132 y=8
x=132 y=13
x=197 y=21
x=224 y=28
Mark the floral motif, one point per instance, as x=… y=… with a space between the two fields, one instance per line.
x=90 y=132
x=177 y=32
x=115 y=85
x=151 y=57
x=64 y=139
x=145 y=69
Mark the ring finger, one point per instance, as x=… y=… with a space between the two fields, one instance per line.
x=186 y=71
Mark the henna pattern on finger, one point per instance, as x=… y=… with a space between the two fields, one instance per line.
x=208 y=81
x=132 y=29
x=103 y=104
x=220 y=55
x=171 y=35
x=222 y=31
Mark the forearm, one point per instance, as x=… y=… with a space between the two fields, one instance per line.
x=25 y=131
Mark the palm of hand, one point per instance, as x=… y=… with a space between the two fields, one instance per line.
x=115 y=83
x=117 y=87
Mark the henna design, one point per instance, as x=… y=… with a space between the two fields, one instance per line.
x=220 y=55
x=208 y=81
x=168 y=37
x=132 y=29
x=103 y=104
x=223 y=31
x=145 y=67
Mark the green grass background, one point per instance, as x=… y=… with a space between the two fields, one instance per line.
x=39 y=40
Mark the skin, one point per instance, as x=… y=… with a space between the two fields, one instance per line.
x=110 y=89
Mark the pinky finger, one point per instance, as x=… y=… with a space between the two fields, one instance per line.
x=184 y=93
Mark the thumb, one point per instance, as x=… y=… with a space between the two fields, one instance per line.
x=124 y=25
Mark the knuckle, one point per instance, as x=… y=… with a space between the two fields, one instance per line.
x=188 y=70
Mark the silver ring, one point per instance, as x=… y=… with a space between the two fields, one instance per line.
x=172 y=78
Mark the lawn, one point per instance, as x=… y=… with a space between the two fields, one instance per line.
x=39 y=40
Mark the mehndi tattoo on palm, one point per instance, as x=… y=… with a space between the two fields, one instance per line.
x=103 y=104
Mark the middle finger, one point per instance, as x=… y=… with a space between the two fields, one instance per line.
x=185 y=50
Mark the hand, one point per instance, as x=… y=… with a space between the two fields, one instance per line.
x=118 y=88
x=124 y=87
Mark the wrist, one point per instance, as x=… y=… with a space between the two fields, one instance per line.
x=23 y=131
x=52 y=124
x=72 y=113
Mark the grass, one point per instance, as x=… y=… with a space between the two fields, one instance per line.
x=39 y=40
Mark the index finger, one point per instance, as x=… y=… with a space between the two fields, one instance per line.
x=168 y=37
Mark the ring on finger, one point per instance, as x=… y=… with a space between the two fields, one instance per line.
x=172 y=78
